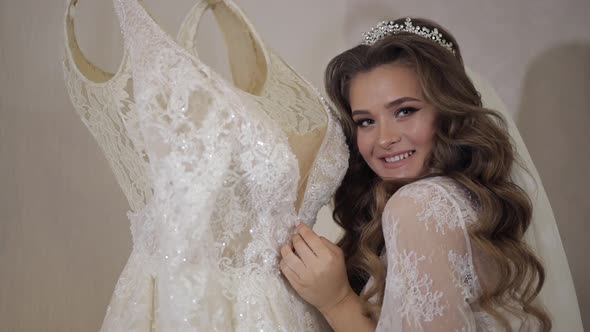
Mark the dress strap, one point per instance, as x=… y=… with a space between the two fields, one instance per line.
x=248 y=56
x=84 y=67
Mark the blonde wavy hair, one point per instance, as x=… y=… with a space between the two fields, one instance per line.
x=471 y=146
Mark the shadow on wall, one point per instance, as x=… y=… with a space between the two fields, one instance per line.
x=554 y=120
x=362 y=15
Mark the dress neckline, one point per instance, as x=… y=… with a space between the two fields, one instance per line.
x=176 y=46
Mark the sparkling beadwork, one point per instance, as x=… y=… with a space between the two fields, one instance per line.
x=387 y=28
x=234 y=172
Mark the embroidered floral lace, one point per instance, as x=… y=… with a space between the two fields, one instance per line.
x=218 y=187
x=431 y=281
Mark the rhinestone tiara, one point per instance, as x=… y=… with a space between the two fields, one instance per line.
x=386 y=28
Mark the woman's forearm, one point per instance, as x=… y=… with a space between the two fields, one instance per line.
x=348 y=316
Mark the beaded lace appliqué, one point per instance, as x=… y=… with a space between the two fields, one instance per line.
x=206 y=239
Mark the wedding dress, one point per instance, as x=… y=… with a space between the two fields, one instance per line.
x=232 y=170
x=104 y=102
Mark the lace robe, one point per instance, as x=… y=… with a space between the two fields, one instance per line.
x=433 y=271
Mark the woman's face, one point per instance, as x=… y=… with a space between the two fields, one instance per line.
x=395 y=125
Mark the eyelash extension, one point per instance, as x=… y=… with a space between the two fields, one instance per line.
x=410 y=110
x=359 y=123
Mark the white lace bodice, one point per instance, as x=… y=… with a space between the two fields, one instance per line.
x=433 y=272
x=104 y=102
x=225 y=184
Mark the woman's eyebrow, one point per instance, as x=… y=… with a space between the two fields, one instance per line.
x=390 y=104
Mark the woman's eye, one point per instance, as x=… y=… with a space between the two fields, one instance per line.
x=364 y=122
x=405 y=111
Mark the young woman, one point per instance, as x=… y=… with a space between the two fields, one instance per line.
x=433 y=223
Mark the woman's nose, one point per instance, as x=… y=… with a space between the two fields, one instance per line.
x=388 y=135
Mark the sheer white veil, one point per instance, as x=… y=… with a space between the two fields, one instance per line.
x=558 y=294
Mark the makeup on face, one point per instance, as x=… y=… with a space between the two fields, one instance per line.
x=395 y=125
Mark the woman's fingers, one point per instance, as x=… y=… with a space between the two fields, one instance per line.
x=289 y=273
x=303 y=251
x=292 y=261
x=313 y=241
x=333 y=247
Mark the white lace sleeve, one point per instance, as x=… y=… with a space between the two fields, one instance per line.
x=429 y=261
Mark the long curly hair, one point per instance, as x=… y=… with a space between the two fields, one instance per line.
x=471 y=145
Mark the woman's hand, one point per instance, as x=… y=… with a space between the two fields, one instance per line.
x=315 y=268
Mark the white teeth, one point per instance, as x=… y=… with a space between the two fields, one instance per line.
x=399 y=157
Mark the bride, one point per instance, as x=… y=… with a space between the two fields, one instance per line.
x=434 y=204
x=232 y=169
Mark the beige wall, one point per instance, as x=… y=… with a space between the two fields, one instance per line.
x=64 y=237
x=554 y=119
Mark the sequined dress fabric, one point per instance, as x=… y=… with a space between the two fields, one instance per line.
x=225 y=183
x=223 y=187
